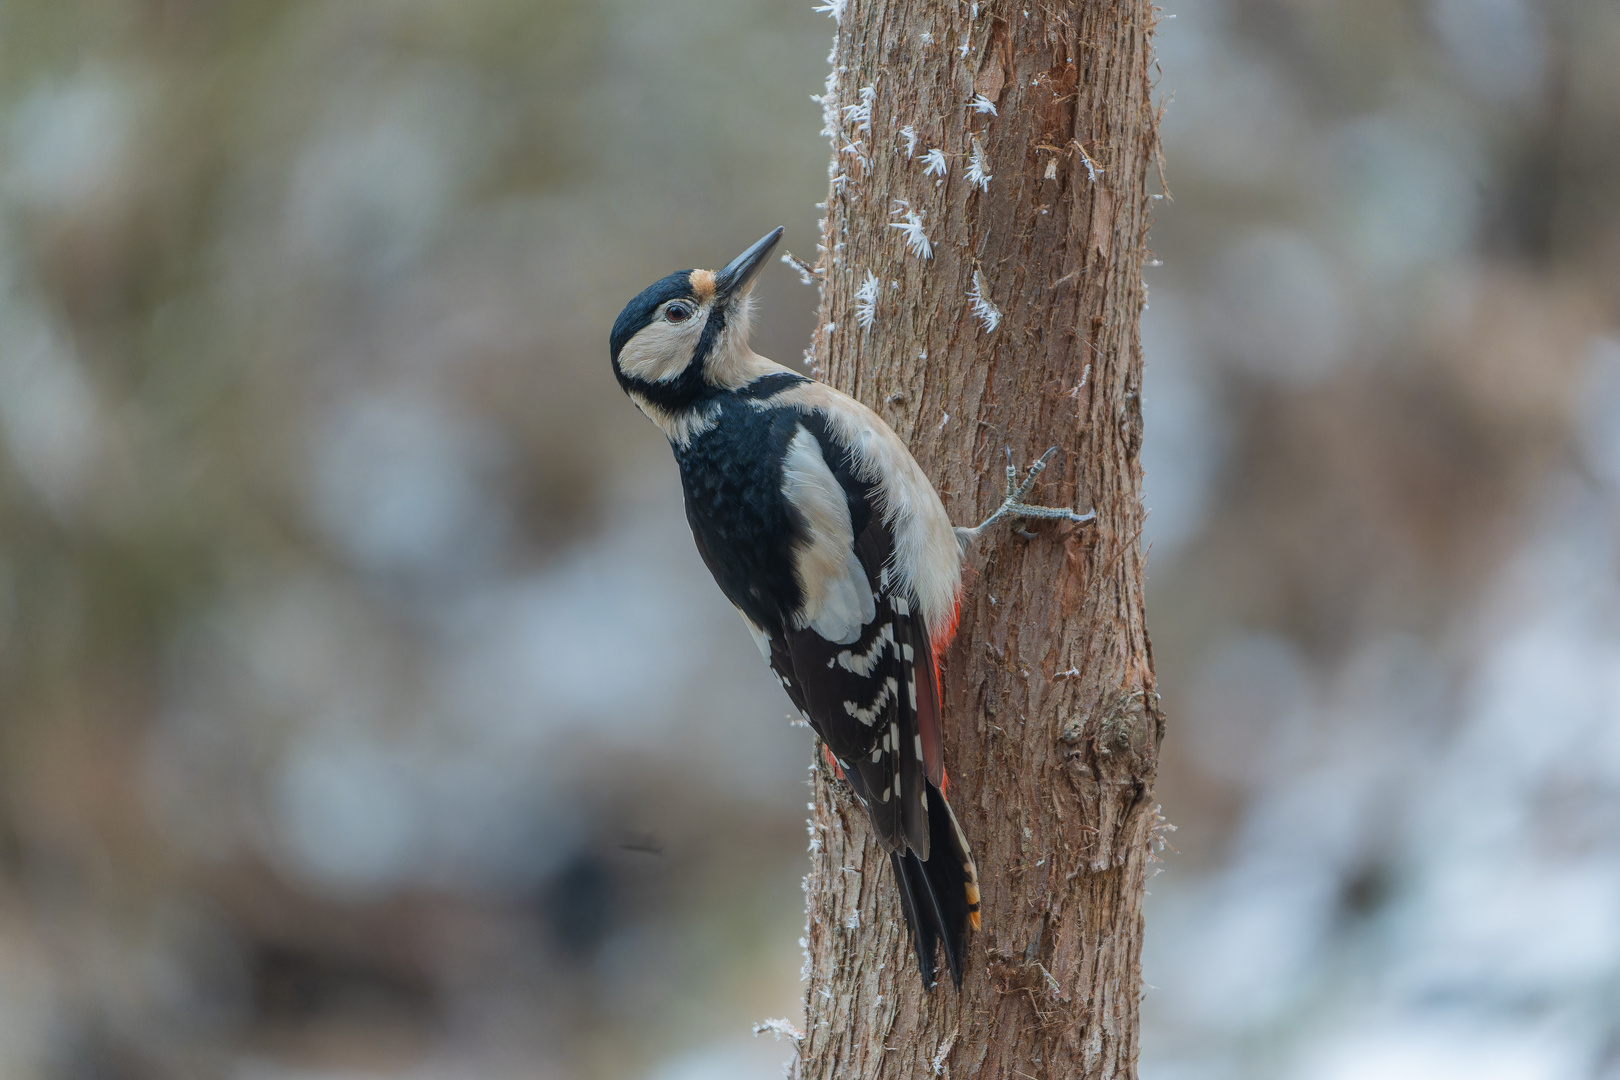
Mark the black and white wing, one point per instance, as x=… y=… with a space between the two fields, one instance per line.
x=856 y=655
x=858 y=660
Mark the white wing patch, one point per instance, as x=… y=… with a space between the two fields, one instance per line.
x=926 y=558
x=838 y=598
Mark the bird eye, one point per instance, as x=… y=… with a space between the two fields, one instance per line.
x=677 y=312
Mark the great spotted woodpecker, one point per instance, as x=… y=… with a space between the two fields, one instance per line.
x=821 y=528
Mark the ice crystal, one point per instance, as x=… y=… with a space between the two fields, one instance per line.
x=779 y=1028
x=860 y=114
x=1093 y=170
x=978 y=168
x=866 y=298
x=987 y=313
x=835 y=8
x=916 y=239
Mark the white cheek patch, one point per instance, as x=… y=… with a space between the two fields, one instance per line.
x=838 y=600
x=661 y=351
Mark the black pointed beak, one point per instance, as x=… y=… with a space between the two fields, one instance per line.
x=740 y=273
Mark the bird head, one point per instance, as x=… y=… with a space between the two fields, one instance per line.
x=672 y=342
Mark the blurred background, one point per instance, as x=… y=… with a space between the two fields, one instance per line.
x=366 y=712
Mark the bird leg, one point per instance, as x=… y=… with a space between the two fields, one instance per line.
x=1015 y=506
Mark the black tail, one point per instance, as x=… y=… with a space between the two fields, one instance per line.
x=941 y=896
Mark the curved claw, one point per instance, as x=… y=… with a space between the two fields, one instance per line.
x=1017 y=494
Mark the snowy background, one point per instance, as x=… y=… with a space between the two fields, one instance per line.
x=1383 y=456
x=364 y=707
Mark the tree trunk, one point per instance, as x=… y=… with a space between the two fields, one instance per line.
x=1018 y=328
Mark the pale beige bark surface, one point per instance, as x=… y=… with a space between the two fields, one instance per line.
x=1052 y=725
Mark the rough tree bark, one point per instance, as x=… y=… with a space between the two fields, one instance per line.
x=1052 y=726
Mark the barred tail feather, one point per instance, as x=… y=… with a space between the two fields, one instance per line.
x=940 y=897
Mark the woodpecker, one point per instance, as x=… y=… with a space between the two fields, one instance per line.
x=825 y=534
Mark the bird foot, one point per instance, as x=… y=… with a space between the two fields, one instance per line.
x=1015 y=506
